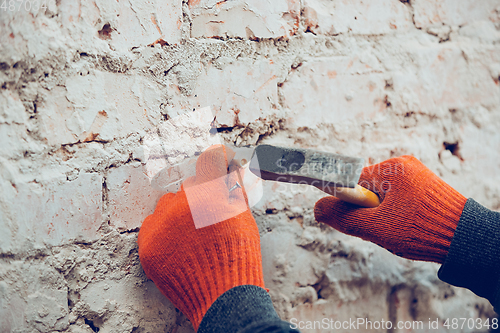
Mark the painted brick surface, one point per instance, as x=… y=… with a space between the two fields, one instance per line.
x=244 y=19
x=245 y=91
x=86 y=87
x=442 y=79
x=122 y=24
x=356 y=17
x=37 y=216
x=449 y=12
x=43 y=304
x=131 y=198
x=99 y=106
x=242 y=92
x=336 y=89
x=18 y=39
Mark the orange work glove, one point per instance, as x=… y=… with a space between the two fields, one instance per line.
x=417 y=216
x=192 y=267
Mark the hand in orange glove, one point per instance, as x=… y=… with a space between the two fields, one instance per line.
x=192 y=267
x=417 y=216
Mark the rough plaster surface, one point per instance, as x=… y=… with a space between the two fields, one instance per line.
x=83 y=82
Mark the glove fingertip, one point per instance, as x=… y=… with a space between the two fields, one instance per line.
x=164 y=201
x=213 y=163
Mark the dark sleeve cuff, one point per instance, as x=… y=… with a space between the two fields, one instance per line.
x=243 y=309
x=473 y=260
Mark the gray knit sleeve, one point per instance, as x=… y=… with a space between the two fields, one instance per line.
x=244 y=309
x=473 y=260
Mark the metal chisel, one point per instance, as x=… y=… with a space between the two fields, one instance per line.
x=335 y=174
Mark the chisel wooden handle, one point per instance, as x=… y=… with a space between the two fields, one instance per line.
x=358 y=195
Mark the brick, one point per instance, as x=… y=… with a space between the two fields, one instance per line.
x=451 y=12
x=21 y=31
x=240 y=93
x=244 y=19
x=59 y=123
x=357 y=17
x=126 y=296
x=169 y=149
x=102 y=106
x=81 y=20
x=443 y=79
x=48 y=312
x=481 y=30
x=12 y=308
x=193 y=127
x=131 y=197
x=144 y=22
x=34 y=216
x=112 y=105
x=89 y=26
x=124 y=25
x=14 y=140
x=13 y=46
x=11 y=108
x=481 y=138
x=33 y=296
x=284 y=257
x=338 y=89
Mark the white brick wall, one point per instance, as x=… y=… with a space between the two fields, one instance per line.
x=245 y=19
x=83 y=82
x=131 y=197
x=445 y=78
x=335 y=90
x=98 y=106
x=356 y=17
x=35 y=216
x=452 y=12
x=242 y=92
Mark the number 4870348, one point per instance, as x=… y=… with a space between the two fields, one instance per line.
x=470 y=323
x=25 y=5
